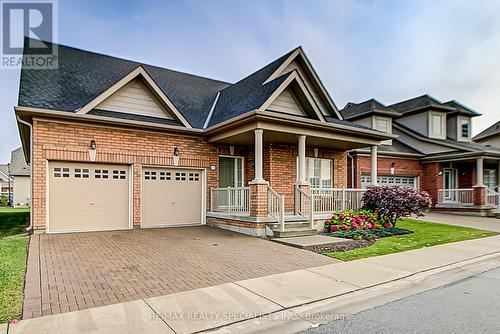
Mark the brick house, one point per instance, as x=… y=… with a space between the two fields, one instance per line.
x=433 y=151
x=116 y=144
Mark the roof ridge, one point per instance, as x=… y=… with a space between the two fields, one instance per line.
x=130 y=61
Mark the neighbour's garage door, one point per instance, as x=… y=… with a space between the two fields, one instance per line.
x=171 y=196
x=407 y=181
x=88 y=197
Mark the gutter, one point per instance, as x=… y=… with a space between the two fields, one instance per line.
x=30 y=227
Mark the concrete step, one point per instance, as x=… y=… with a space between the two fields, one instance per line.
x=294 y=232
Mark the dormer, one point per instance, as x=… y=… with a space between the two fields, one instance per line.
x=371 y=113
x=459 y=124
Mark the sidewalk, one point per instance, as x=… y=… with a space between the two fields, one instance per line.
x=288 y=302
x=482 y=223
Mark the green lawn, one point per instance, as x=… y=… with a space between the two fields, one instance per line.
x=426 y=234
x=13 y=250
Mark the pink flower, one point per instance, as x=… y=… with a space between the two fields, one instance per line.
x=388 y=225
x=344 y=227
x=359 y=220
x=334 y=228
x=14 y=321
x=341 y=216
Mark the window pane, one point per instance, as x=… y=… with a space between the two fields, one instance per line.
x=381 y=124
x=436 y=125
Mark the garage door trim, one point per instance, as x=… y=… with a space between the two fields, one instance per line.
x=203 y=196
x=47 y=196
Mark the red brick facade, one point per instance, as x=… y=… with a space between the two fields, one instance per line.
x=70 y=142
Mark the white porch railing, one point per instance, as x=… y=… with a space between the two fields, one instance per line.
x=304 y=205
x=492 y=198
x=276 y=207
x=329 y=200
x=458 y=196
x=234 y=201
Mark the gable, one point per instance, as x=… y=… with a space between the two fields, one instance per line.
x=287 y=103
x=135 y=98
x=298 y=63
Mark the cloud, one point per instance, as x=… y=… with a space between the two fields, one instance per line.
x=390 y=50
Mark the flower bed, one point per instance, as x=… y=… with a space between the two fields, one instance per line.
x=361 y=225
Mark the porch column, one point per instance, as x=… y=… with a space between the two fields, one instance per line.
x=302 y=160
x=258 y=157
x=479 y=172
x=373 y=165
x=479 y=192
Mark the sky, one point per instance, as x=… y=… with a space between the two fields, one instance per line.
x=389 y=50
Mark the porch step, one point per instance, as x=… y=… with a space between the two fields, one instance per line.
x=294 y=232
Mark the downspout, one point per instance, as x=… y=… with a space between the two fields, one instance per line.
x=30 y=227
x=352 y=169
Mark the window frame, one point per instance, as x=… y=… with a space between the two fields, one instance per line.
x=321 y=186
x=442 y=116
x=461 y=120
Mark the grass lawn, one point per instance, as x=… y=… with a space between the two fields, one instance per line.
x=426 y=234
x=13 y=250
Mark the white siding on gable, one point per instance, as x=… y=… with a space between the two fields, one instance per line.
x=287 y=103
x=134 y=98
x=294 y=65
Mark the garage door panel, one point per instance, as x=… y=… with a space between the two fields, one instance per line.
x=86 y=197
x=392 y=180
x=171 y=197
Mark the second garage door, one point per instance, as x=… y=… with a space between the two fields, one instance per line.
x=405 y=181
x=171 y=196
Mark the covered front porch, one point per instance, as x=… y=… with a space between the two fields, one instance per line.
x=278 y=179
x=469 y=186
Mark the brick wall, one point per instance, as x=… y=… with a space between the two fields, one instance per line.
x=431 y=180
x=70 y=142
x=403 y=167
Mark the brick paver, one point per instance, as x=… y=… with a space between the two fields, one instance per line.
x=68 y=272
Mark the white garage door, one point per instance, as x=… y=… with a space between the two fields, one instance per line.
x=407 y=181
x=88 y=197
x=171 y=196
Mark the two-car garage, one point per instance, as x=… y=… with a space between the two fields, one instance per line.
x=98 y=197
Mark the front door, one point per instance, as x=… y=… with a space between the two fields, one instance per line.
x=230 y=172
x=450 y=177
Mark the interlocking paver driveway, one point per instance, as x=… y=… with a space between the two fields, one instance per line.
x=68 y=272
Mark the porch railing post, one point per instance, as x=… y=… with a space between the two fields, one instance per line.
x=211 y=199
x=282 y=212
x=228 y=199
x=343 y=200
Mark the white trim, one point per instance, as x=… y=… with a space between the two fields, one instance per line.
x=309 y=66
x=441 y=115
x=203 y=196
x=47 y=198
x=460 y=137
x=139 y=71
x=209 y=117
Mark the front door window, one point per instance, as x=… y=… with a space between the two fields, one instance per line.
x=230 y=172
x=450 y=177
x=490 y=178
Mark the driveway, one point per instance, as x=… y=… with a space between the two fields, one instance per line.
x=69 y=272
x=482 y=223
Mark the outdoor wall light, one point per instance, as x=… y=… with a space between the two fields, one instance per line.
x=92 y=150
x=316 y=152
x=176 y=156
x=393 y=167
x=231 y=150
x=440 y=173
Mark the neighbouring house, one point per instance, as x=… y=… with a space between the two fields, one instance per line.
x=490 y=136
x=5 y=182
x=116 y=144
x=20 y=173
x=433 y=151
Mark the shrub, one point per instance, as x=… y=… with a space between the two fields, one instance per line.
x=393 y=203
x=4 y=201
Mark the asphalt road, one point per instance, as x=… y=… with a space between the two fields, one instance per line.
x=468 y=306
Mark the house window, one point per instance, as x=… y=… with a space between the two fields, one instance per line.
x=490 y=178
x=465 y=128
x=437 y=126
x=319 y=172
x=382 y=124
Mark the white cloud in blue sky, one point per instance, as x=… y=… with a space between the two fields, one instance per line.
x=391 y=50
